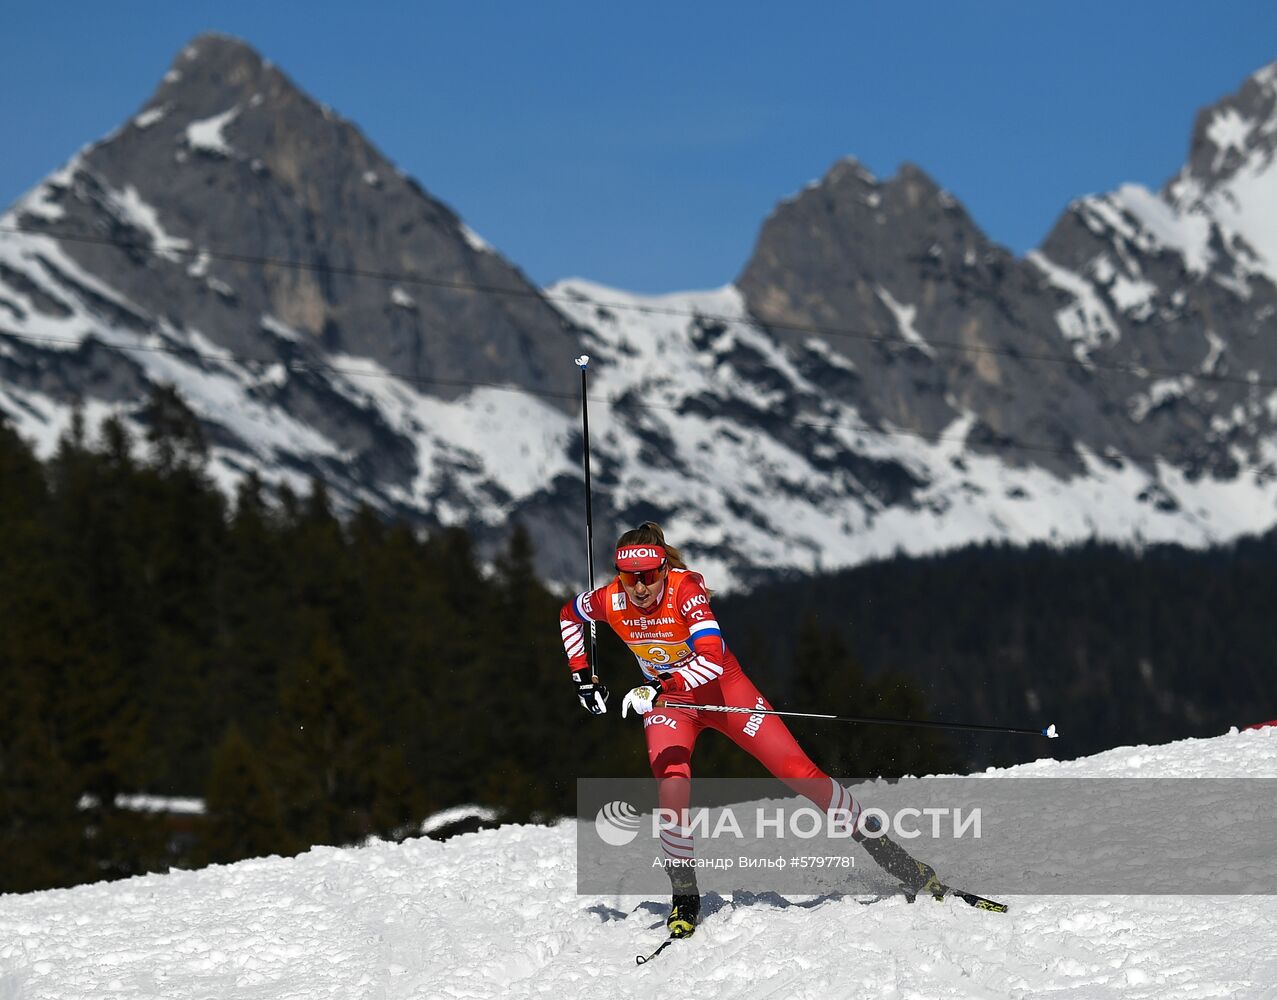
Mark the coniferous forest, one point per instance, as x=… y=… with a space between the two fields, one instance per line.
x=317 y=680
x=1116 y=648
x=313 y=680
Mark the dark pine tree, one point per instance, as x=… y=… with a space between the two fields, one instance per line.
x=244 y=818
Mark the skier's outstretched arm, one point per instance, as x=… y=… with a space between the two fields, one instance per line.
x=572 y=619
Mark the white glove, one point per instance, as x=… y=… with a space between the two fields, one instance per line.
x=640 y=699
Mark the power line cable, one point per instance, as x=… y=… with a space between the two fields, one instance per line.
x=1003 y=442
x=1092 y=365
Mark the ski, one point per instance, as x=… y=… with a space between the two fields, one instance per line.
x=979 y=902
x=919 y=879
x=640 y=960
x=938 y=891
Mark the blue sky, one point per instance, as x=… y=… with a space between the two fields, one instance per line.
x=643 y=145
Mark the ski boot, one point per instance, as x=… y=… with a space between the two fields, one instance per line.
x=685 y=908
x=915 y=877
x=683 y=915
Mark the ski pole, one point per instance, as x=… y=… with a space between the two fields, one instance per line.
x=583 y=362
x=1049 y=732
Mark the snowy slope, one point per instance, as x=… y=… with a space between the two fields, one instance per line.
x=496 y=914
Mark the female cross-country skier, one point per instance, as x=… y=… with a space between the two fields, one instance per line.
x=661 y=610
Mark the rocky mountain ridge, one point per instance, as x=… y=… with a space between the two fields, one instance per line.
x=881 y=377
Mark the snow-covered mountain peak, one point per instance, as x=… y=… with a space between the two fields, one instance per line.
x=214 y=62
x=220 y=98
x=164 y=236
x=1236 y=135
x=1231 y=177
x=723 y=301
x=848 y=180
x=847 y=170
x=881 y=376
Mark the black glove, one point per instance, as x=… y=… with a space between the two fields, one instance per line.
x=592 y=694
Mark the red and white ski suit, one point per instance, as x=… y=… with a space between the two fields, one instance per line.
x=679 y=636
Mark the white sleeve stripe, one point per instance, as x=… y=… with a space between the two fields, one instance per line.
x=710 y=665
x=573 y=639
x=576 y=605
x=678 y=843
x=702 y=626
x=842 y=802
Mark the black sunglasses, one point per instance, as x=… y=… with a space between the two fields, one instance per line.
x=646 y=577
